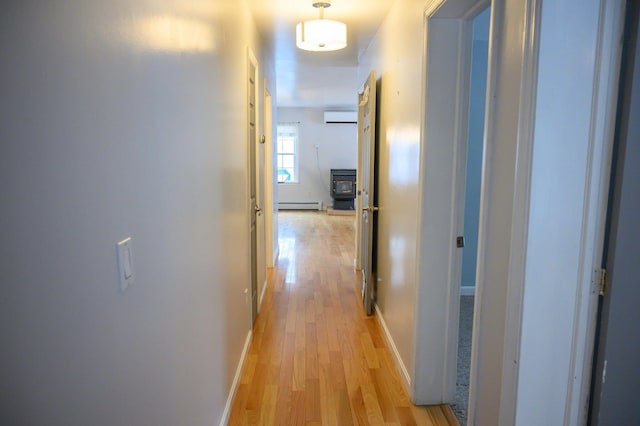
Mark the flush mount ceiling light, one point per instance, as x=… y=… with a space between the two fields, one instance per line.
x=321 y=35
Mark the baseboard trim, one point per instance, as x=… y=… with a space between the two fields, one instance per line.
x=300 y=205
x=236 y=380
x=467 y=290
x=404 y=373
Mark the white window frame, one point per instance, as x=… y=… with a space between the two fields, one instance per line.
x=287 y=130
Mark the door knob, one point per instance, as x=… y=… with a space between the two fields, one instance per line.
x=257 y=209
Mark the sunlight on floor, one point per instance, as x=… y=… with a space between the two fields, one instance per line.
x=288 y=253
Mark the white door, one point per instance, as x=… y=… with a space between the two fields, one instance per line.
x=261 y=274
x=254 y=208
x=366 y=169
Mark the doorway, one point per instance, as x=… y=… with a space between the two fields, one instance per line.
x=449 y=60
x=471 y=190
x=253 y=184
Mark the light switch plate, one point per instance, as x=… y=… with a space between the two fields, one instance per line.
x=125 y=264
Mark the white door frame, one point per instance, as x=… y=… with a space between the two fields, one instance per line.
x=502 y=308
x=565 y=291
x=261 y=188
x=357 y=261
x=448 y=34
x=252 y=166
x=601 y=140
x=268 y=178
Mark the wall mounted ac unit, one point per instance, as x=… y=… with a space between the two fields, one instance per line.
x=342 y=117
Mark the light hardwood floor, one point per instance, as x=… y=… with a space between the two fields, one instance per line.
x=316 y=358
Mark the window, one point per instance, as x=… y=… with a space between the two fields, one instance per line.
x=287 y=153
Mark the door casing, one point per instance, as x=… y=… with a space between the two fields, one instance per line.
x=505 y=209
x=449 y=41
x=253 y=208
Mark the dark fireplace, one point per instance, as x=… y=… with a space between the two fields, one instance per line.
x=343 y=188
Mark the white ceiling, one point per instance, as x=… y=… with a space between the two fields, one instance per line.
x=319 y=79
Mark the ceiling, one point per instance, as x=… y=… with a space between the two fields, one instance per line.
x=318 y=79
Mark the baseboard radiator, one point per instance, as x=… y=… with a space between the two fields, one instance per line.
x=299 y=205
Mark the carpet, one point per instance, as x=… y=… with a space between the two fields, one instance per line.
x=464 y=358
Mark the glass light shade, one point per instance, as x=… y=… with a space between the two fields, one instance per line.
x=319 y=35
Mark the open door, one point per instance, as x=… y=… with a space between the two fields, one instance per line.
x=366 y=169
x=254 y=208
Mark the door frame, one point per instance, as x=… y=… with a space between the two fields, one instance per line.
x=269 y=176
x=609 y=56
x=506 y=201
x=448 y=46
x=261 y=188
x=252 y=145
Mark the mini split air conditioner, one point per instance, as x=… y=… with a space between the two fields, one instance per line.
x=342 y=117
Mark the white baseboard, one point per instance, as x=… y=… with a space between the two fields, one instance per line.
x=300 y=205
x=467 y=290
x=394 y=350
x=236 y=380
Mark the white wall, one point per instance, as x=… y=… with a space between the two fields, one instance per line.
x=337 y=148
x=396 y=55
x=122 y=118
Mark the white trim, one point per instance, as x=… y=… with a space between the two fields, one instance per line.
x=490 y=279
x=432 y=6
x=402 y=369
x=467 y=290
x=269 y=179
x=609 y=53
x=357 y=260
x=300 y=205
x=460 y=133
x=251 y=60
x=520 y=214
x=434 y=375
x=236 y=380
x=444 y=128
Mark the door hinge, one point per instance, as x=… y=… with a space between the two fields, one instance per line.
x=602 y=281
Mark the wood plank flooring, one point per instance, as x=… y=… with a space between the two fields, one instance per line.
x=316 y=358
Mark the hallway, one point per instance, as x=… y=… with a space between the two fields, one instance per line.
x=316 y=358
